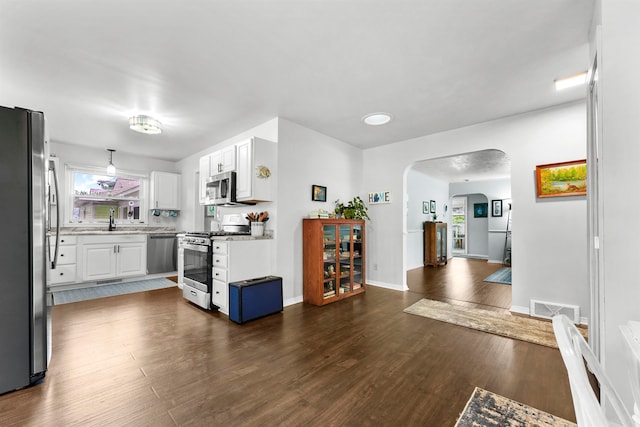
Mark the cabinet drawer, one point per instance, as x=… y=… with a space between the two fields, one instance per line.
x=220 y=274
x=219 y=295
x=219 y=261
x=63 y=274
x=65 y=240
x=220 y=247
x=66 y=254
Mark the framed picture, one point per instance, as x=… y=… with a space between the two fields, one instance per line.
x=433 y=206
x=496 y=208
x=209 y=211
x=425 y=207
x=480 y=210
x=562 y=179
x=318 y=193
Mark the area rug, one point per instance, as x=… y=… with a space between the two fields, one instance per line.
x=501 y=276
x=93 y=292
x=489 y=409
x=504 y=324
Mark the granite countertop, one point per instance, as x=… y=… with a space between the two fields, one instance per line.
x=83 y=231
x=242 y=237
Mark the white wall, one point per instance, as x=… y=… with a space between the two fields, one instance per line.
x=548 y=237
x=477 y=228
x=620 y=175
x=306 y=157
x=421 y=188
x=495 y=189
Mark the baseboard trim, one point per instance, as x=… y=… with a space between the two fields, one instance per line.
x=292 y=301
x=387 y=285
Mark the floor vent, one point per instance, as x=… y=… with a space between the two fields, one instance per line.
x=547 y=310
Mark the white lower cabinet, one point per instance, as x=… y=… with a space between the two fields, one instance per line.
x=110 y=257
x=236 y=260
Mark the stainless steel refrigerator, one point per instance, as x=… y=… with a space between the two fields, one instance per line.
x=24 y=259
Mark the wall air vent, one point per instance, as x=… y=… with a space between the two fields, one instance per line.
x=547 y=310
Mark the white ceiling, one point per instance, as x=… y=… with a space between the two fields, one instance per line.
x=476 y=166
x=210 y=69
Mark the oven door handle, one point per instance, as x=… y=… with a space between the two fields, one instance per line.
x=197 y=248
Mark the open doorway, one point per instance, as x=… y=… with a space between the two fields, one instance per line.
x=458 y=185
x=459 y=226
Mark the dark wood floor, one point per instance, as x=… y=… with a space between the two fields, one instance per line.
x=461 y=281
x=152 y=359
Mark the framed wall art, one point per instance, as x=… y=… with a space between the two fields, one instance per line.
x=433 y=206
x=562 y=179
x=480 y=210
x=318 y=193
x=425 y=207
x=496 y=208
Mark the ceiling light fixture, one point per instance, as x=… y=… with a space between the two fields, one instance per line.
x=145 y=124
x=574 y=80
x=111 y=168
x=377 y=119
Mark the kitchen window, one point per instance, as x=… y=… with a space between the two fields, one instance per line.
x=93 y=194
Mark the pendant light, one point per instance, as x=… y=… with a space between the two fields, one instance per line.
x=111 y=168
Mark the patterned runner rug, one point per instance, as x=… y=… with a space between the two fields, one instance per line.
x=93 y=292
x=489 y=409
x=501 y=276
x=506 y=325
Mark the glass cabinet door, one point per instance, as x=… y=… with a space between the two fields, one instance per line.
x=345 y=259
x=331 y=270
x=356 y=281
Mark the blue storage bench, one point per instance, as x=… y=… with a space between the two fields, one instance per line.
x=254 y=298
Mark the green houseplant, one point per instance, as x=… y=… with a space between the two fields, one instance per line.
x=354 y=209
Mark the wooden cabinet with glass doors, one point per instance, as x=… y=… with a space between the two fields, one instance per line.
x=333 y=259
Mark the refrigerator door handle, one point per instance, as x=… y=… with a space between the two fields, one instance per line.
x=54 y=260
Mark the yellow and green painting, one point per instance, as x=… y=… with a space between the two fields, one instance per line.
x=562 y=179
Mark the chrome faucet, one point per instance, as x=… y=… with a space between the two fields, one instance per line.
x=112 y=221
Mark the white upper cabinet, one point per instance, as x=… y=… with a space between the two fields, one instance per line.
x=223 y=160
x=165 y=191
x=256 y=163
x=212 y=164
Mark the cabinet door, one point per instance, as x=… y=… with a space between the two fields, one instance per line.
x=132 y=259
x=244 y=173
x=166 y=190
x=223 y=160
x=98 y=261
x=204 y=174
x=357 y=271
x=330 y=257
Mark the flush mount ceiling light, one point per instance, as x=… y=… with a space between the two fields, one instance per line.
x=145 y=124
x=574 y=80
x=111 y=168
x=377 y=119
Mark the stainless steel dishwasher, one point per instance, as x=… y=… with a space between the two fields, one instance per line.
x=162 y=253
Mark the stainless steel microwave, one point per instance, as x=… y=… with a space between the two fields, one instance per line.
x=221 y=189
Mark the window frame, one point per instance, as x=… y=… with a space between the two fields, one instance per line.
x=143 y=199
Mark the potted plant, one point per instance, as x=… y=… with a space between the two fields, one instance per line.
x=354 y=209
